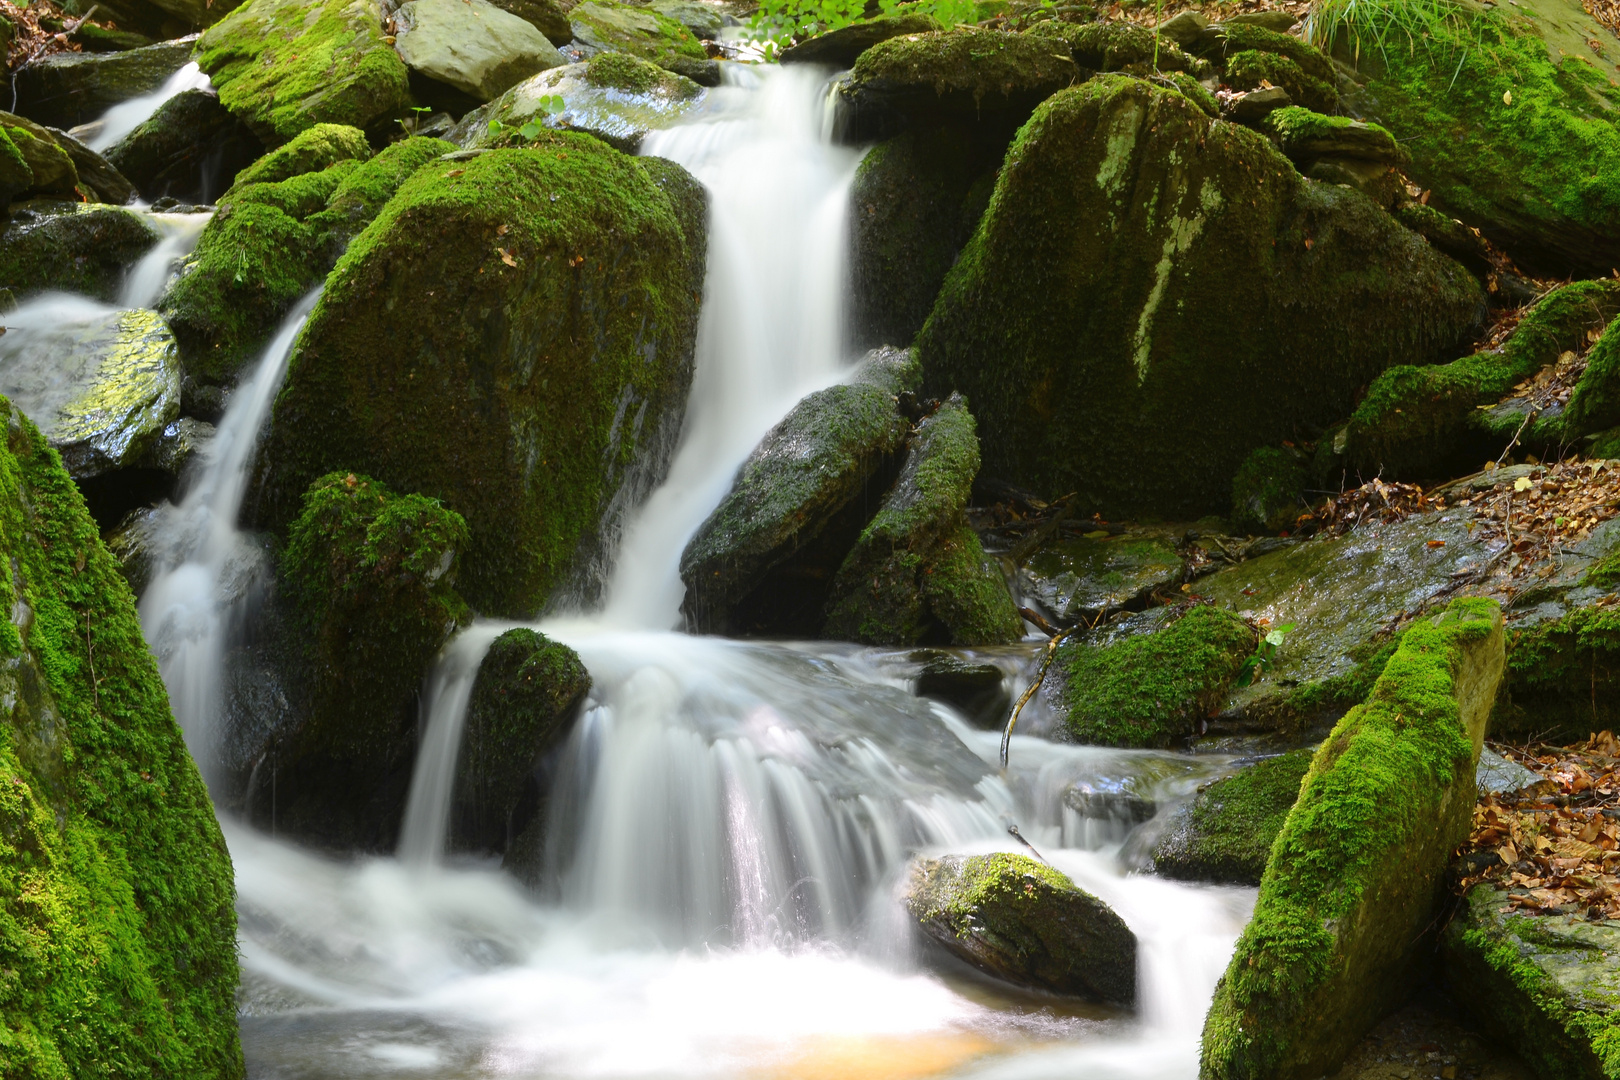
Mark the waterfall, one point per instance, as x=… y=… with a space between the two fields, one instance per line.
x=146 y=281
x=103 y=133
x=205 y=570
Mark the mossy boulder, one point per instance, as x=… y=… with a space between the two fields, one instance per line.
x=1147 y=277
x=1150 y=680
x=965 y=74
x=1563 y=676
x=1510 y=120
x=840 y=48
x=1082 y=578
x=646 y=33
x=73 y=247
x=369 y=580
x=118 y=898
x=1420 y=420
x=99 y=179
x=1119 y=46
x=283 y=66
x=102 y=391
x=1024 y=922
x=314 y=148
x=614 y=96
x=511 y=335
x=527 y=694
x=16 y=177
x=51 y=168
x=918 y=574
x=66 y=89
x=1357 y=874
x=1594 y=404
x=764 y=560
x=547 y=16
x=916 y=200
x=1225 y=834
x=1268 y=490
x=472 y=45
x=1545 y=985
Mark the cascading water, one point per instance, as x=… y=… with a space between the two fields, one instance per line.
x=123 y=118
x=728 y=820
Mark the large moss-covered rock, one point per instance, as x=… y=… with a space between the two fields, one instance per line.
x=1563 y=677
x=643 y=32
x=369 y=577
x=1357 y=874
x=614 y=96
x=16 y=176
x=72 y=247
x=1510 y=119
x=966 y=74
x=1022 y=921
x=284 y=65
x=115 y=885
x=472 y=45
x=69 y=88
x=527 y=693
x=51 y=168
x=918 y=574
x=1150 y=680
x=511 y=335
x=102 y=391
x=1546 y=985
x=916 y=200
x=1226 y=833
x=840 y=48
x=191 y=148
x=1148 y=280
x=763 y=562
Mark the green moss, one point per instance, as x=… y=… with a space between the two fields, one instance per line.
x=1238 y=38
x=364 y=191
x=1227 y=833
x=1419 y=418
x=982 y=64
x=1246 y=70
x=1197 y=93
x=117 y=921
x=15 y=175
x=1355 y=876
x=1151 y=689
x=1266 y=492
x=1147 y=277
x=539 y=380
x=1120 y=46
x=311 y=150
x=74 y=248
x=1563 y=676
x=283 y=66
x=621 y=71
x=645 y=33
x=370 y=576
x=1302 y=132
x=1594 y=405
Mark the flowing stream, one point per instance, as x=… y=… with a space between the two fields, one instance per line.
x=729 y=821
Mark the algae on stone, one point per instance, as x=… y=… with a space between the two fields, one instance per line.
x=1357 y=874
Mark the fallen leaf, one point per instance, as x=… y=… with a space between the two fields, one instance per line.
x=1507 y=97
x=506 y=257
x=502 y=230
x=1437 y=543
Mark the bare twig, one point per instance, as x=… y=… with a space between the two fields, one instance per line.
x=1040 y=676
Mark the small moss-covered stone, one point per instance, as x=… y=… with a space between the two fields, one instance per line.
x=311 y=150
x=1022 y=921
x=73 y=247
x=283 y=66
x=1250 y=68
x=1303 y=135
x=1150 y=688
x=764 y=560
x=616 y=97
x=527 y=692
x=1357 y=873
x=51 y=167
x=116 y=891
x=840 y=48
x=66 y=89
x=1267 y=490
x=510 y=335
x=191 y=148
x=1226 y=834
x=1546 y=985
x=1084 y=578
x=15 y=175
x=1147 y=277
x=644 y=32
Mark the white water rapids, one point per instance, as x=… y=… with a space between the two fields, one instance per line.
x=728 y=821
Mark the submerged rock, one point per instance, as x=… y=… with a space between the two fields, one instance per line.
x=527 y=694
x=120 y=893
x=512 y=335
x=69 y=88
x=763 y=562
x=978 y=691
x=644 y=32
x=71 y=247
x=191 y=148
x=1024 y=922
x=917 y=573
x=1546 y=985
x=1226 y=833
x=472 y=45
x=1357 y=873
x=282 y=66
x=1147 y=277
x=615 y=97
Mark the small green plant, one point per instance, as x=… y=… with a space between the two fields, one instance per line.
x=550 y=105
x=1264 y=655
x=1379 y=25
x=413 y=124
x=778 y=23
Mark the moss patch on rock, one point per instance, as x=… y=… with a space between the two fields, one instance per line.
x=1563 y=676
x=1227 y=832
x=644 y=32
x=511 y=335
x=1147 y=278
x=1267 y=490
x=117 y=918
x=72 y=247
x=1356 y=875
x=283 y=66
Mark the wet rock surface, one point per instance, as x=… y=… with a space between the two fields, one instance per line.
x=1082 y=578
x=472 y=46
x=82 y=248
x=1226 y=833
x=73 y=88
x=1024 y=922
x=191 y=148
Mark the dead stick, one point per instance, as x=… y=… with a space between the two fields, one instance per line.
x=1040 y=676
